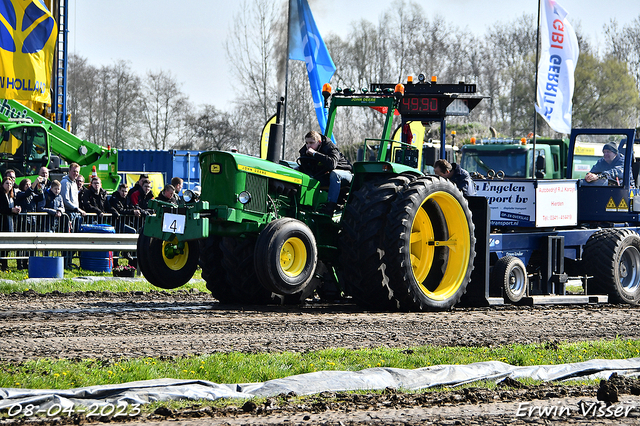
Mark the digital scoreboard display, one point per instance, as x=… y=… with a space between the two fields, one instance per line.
x=420 y=105
x=432 y=106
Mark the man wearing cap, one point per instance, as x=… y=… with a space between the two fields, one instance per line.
x=610 y=167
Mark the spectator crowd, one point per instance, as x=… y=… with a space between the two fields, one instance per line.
x=45 y=205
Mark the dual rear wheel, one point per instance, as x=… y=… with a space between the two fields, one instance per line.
x=408 y=244
x=612 y=257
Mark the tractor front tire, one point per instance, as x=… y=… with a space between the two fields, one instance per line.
x=142 y=253
x=612 y=256
x=430 y=245
x=286 y=256
x=170 y=272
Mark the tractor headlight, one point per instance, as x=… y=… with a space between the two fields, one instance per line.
x=244 y=197
x=190 y=196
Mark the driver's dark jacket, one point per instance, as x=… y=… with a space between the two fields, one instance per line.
x=463 y=180
x=612 y=171
x=326 y=158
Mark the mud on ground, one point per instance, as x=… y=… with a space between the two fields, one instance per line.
x=111 y=326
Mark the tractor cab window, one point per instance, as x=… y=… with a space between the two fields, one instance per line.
x=23 y=149
x=510 y=160
x=598 y=160
x=541 y=164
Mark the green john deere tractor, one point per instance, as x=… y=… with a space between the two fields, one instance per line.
x=401 y=240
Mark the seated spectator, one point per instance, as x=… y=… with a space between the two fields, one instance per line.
x=81 y=187
x=168 y=194
x=94 y=200
x=140 y=198
x=53 y=205
x=177 y=184
x=136 y=187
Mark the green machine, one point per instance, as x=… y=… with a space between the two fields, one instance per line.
x=401 y=240
x=30 y=141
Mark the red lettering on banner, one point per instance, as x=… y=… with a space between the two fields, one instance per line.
x=557 y=37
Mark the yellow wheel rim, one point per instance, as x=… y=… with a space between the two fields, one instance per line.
x=178 y=261
x=458 y=245
x=293 y=257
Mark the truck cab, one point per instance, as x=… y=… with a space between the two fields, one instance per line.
x=511 y=158
x=604 y=200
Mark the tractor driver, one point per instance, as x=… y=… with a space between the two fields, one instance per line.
x=323 y=161
x=456 y=174
x=609 y=168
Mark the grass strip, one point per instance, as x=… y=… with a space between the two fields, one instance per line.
x=16 y=281
x=237 y=367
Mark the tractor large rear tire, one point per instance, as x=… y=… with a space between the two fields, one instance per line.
x=238 y=263
x=430 y=245
x=212 y=271
x=612 y=257
x=361 y=243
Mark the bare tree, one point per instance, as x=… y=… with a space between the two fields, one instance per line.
x=123 y=97
x=163 y=108
x=212 y=130
x=81 y=89
x=251 y=52
x=510 y=73
x=102 y=102
x=403 y=21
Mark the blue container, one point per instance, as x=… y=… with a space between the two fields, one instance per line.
x=46 y=267
x=171 y=163
x=98 y=261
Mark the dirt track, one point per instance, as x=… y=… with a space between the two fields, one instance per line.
x=115 y=326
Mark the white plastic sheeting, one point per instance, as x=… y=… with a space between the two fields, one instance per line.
x=311 y=383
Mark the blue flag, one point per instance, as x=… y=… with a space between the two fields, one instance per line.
x=305 y=44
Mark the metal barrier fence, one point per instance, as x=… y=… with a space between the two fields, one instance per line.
x=43 y=222
x=42 y=234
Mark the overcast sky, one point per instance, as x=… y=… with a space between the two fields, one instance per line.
x=187 y=37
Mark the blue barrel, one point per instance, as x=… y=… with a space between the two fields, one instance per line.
x=46 y=267
x=98 y=261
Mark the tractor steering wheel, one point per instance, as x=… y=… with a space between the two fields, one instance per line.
x=304 y=159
